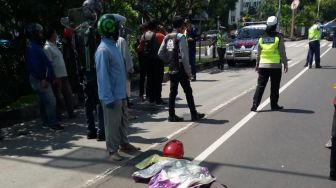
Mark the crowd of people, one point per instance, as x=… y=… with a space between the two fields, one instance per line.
x=95 y=64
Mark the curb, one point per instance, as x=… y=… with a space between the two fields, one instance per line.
x=27 y=113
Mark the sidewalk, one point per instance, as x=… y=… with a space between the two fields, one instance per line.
x=39 y=158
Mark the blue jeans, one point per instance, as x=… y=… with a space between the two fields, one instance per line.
x=47 y=102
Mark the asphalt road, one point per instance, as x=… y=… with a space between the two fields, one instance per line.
x=268 y=148
x=255 y=150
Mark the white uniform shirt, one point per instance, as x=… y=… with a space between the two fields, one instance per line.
x=56 y=57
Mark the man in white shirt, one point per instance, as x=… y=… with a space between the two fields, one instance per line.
x=61 y=85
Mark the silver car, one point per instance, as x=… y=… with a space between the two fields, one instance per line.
x=245 y=46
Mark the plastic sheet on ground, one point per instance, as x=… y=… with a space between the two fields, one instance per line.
x=175 y=173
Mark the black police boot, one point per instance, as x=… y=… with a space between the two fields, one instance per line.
x=197 y=116
x=174 y=118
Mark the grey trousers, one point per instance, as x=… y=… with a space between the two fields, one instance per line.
x=116 y=125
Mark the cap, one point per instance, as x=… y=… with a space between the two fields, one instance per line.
x=272 y=20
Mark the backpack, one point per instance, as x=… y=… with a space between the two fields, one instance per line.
x=173 y=50
x=151 y=46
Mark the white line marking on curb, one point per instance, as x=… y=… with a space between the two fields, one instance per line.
x=201 y=157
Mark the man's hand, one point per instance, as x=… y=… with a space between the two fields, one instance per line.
x=44 y=83
x=285 y=69
x=256 y=68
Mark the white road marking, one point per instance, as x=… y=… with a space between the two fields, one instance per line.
x=290 y=45
x=201 y=157
x=300 y=45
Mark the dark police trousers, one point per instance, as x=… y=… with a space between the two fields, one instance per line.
x=314 y=49
x=221 y=54
x=92 y=104
x=183 y=79
x=264 y=75
x=192 y=61
x=333 y=147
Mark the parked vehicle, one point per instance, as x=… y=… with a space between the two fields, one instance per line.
x=5 y=46
x=211 y=34
x=327 y=30
x=244 y=47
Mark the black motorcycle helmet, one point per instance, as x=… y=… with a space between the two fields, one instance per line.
x=34 y=32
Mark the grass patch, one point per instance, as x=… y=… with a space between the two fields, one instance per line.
x=24 y=101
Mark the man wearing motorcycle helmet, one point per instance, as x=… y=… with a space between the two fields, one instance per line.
x=111 y=78
x=86 y=46
x=41 y=75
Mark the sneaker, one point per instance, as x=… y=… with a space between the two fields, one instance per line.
x=305 y=65
x=101 y=138
x=318 y=67
x=142 y=99
x=91 y=135
x=56 y=127
x=72 y=116
x=328 y=144
x=253 y=108
x=276 y=108
x=128 y=148
x=175 y=118
x=332 y=176
x=160 y=102
x=197 y=116
x=115 y=156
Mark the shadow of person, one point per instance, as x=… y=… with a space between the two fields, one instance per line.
x=288 y=110
x=213 y=121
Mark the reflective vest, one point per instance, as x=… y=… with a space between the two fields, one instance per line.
x=314 y=33
x=221 y=40
x=269 y=50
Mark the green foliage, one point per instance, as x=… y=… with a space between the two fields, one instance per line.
x=221 y=8
x=327 y=10
x=305 y=14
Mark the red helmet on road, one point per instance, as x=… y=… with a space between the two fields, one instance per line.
x=174 y=149
x=67 y=33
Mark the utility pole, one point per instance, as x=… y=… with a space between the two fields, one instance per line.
x=318 y=8
x=279 y=15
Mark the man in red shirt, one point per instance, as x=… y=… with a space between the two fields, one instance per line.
x=149 y=46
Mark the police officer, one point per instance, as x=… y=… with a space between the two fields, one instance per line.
x=174 y=50
x=191 y=38
x=271 y=56
x=333 y=147
x=314 y=37
x=221 y=41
